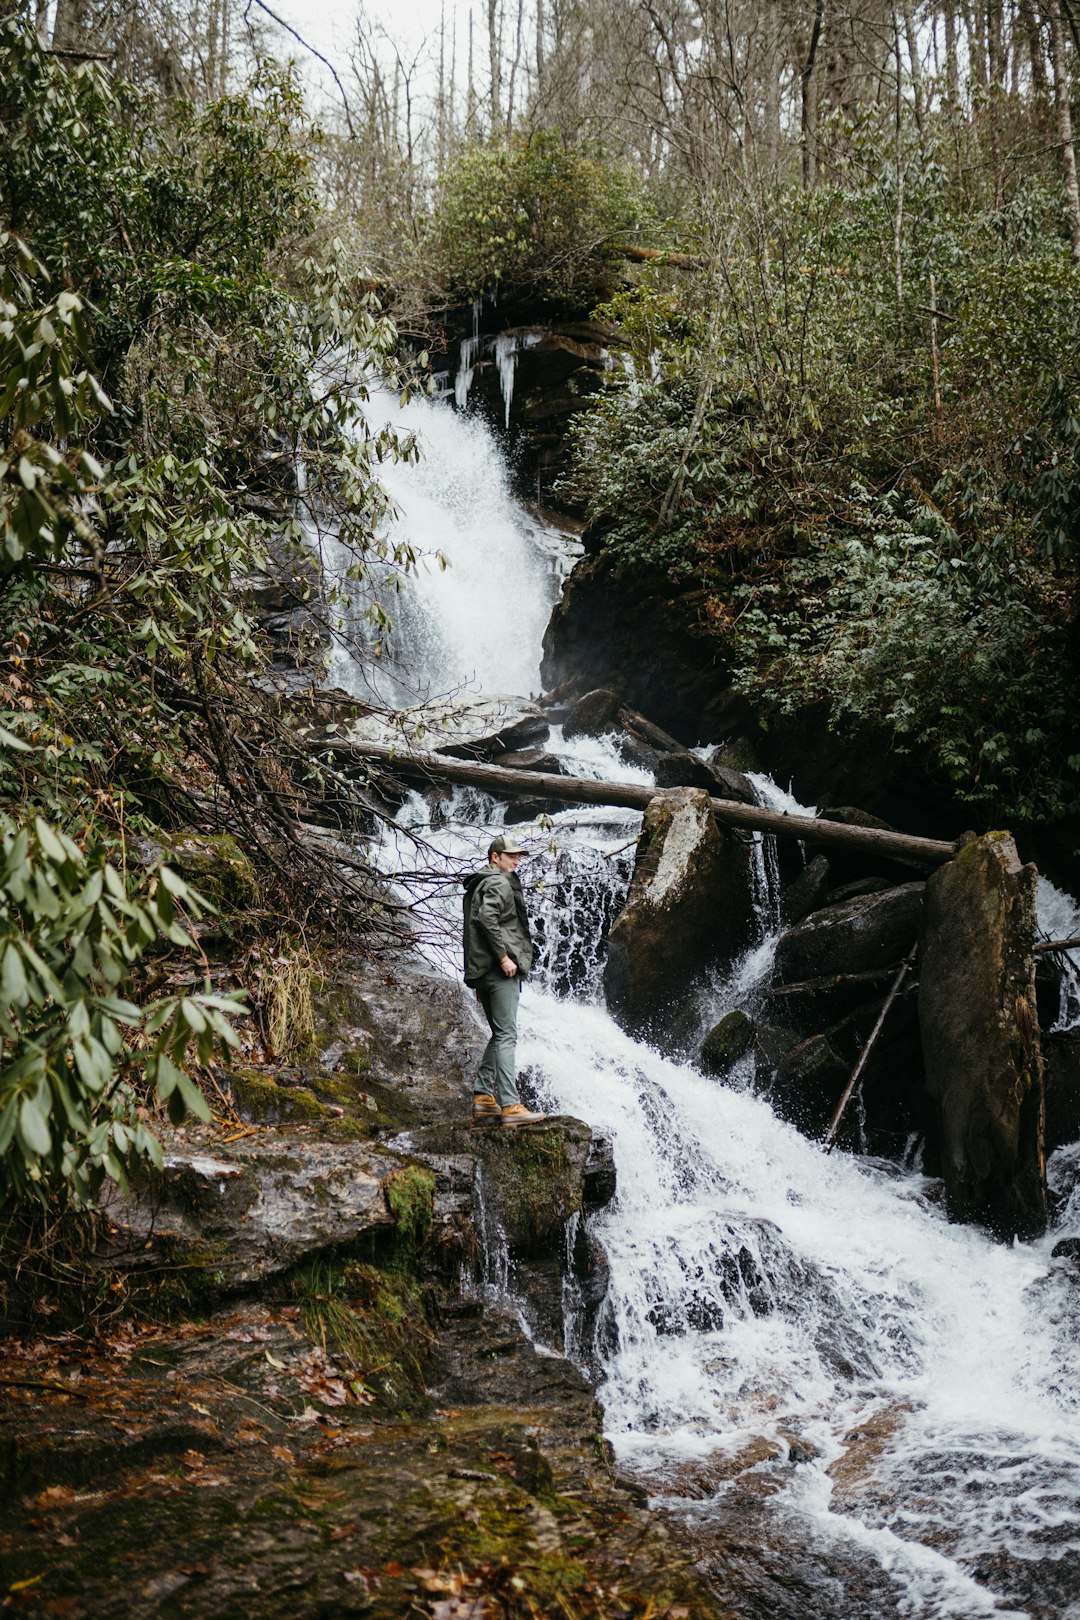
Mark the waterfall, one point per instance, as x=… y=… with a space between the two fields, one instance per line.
x=476 y=623
x=800 y=1356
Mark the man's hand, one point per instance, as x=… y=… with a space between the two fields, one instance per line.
x=509 y=966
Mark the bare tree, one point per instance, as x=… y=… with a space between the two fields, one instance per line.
x=1064 y=122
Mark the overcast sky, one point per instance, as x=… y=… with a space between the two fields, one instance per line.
x=329 y=26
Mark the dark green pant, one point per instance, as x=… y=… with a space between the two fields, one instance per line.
x=499 y=998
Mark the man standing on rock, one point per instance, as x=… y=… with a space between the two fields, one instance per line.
x=498 y=956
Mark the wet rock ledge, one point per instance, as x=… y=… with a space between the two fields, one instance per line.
x=305 y=1405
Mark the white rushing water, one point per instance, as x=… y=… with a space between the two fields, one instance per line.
x=477 y=623
x=799 y=1338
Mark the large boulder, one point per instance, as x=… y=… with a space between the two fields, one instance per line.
x=807 y=892
x=240 y=1212
x=980 y=1035
x=640 y=741
x=689 y=905
x=593 y=715
x=807 y=1083
x=868 y=932
x=464 y=727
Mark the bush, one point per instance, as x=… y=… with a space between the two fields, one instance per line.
x=75 y=1054
x=958 y=658
x=173 y=362
x=531 y=220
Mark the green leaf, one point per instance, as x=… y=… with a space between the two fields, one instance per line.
x=16 y=744
x=193 y=1015
x=33 y=1128
x=13 y=986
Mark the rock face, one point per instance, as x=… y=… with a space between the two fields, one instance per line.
x=977 y=1016
x=246 y=1212
x=857 y=936
x=689 y=904
x=532 y=380
x=648 y=646
x=726 y=1042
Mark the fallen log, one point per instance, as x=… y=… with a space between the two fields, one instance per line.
x=431 y=767
x=645 y=255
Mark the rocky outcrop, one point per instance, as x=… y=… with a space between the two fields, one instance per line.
x=979 y=1026
x=529 y=381
x=857 y=936
x=689 y=904
x=246 y=1211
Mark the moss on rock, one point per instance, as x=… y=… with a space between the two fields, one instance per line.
x=410 y=1197
x=537 y=1185
x=216 y=866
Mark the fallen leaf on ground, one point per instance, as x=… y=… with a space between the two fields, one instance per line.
x=56 y=1496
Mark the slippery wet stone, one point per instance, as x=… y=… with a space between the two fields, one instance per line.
x=1061 y=1052
x=535 y=1176
x=726 y=1042
x=689 y=904
x=857 y=936
x=807 y=892
x=245 y=1211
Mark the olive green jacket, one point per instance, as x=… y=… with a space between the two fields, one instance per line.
x=495 y=924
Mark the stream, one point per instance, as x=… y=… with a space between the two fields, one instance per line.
x=850 y=1405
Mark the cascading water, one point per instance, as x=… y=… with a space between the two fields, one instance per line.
x=478 y=622
x=857 y=1407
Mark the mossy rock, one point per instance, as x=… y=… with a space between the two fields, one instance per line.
x=726 y=1042
x=215 y=866
x=737 y=755
x=259 y=1099
x=536 y=1181
x=410 y=1197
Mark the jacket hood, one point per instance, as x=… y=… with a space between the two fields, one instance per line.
x=469 y=883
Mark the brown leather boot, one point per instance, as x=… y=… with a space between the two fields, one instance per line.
x=518 y=1114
